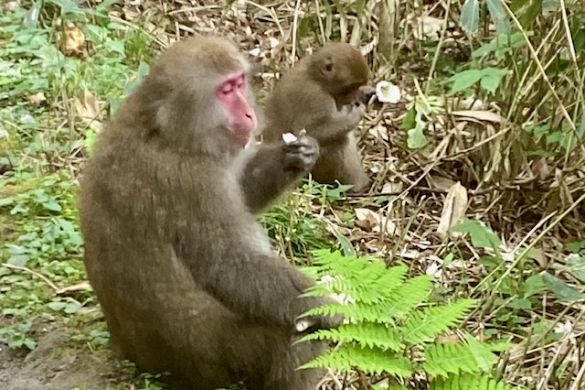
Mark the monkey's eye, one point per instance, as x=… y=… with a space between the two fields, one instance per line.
x=241 y=82
x=227 y=88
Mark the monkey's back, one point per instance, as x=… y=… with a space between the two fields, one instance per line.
x=296 y=103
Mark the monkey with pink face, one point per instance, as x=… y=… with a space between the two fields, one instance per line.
x=183 y=272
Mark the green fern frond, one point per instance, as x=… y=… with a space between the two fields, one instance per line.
x=452 y=358
x=357 y=313
x=364 y=279
x=368 y=335
x=409 y=295
x=372 y=361
x=426 y=324
x=387 y=326
x=469 y=382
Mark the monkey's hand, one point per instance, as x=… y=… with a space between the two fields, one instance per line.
x=314 y=323
x=365 y=94
x=351 y=114
x=300 y=155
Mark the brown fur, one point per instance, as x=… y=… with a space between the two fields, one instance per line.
x=328 y=105
x=184 y=273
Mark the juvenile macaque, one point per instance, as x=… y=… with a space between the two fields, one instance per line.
x=184 y=273
x=326 y=95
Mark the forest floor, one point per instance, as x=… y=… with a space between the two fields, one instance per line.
x=65 y=69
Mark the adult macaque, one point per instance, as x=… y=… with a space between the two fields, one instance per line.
x=183 y=271
x=325 y=94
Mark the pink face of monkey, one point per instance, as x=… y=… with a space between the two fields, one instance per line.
x=232 y=94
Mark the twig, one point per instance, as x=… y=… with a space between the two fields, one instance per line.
x=30 y=271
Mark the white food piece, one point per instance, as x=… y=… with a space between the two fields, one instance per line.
x=289 y=138
x=387 y=92
x=303 y=325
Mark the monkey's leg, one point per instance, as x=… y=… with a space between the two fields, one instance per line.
x=341 y=162
x=281 y=372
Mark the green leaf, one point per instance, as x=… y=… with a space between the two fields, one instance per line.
x=481 y=236
x=561 y=289
x=57 y=305
x=470 y=16
x=72 y=307
x=534 y=285
x=463 y=80
x=90 y=141
x=575 y=266
x=491 y=79
x=499 y=16
x=484 y=358
x=7 y=201
x=52 y=205
x=520 y=304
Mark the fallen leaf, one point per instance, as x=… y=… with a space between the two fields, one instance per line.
x=37 y=98
x=482 y=115
x=73 y=41
x=373 y=222
x=89 y=111
x=453 y=210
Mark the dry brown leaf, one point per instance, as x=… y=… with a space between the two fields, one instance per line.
x=373 y=222
x=37 y=98
x=453 y=210
x=89 y=111
x=73 y=41
x=480 y=115
x=366 y=219
x=440 y=182
x=392 y=187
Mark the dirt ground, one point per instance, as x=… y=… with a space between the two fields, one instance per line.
x=59 y=364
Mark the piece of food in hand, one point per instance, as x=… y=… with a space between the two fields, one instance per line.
x=289 y=138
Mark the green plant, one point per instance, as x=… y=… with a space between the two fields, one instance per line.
x=391 y=330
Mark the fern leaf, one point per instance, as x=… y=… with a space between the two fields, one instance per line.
x=356 y=312
x=371 y=361
x=368 y=335
x=452 y=358
x=427 y=324
x=409 y=295
x=469 y=381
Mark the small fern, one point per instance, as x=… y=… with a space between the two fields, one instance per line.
x=388 y=331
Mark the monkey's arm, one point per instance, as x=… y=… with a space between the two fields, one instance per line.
x=275 y=168
x=337 y=123
x=260 y=286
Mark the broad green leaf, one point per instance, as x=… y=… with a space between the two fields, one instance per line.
x=561 y=289
x=416 y=137
x=499 y=16
x=470 y=16
x=483 y=356
x=534 y=285
x=492 y=78
x=575 y=266
x=481 y=236
x=465 y=79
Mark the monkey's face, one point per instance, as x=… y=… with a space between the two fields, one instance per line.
x=232 y=94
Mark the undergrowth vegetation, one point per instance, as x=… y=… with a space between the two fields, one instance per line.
x=478 y=178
